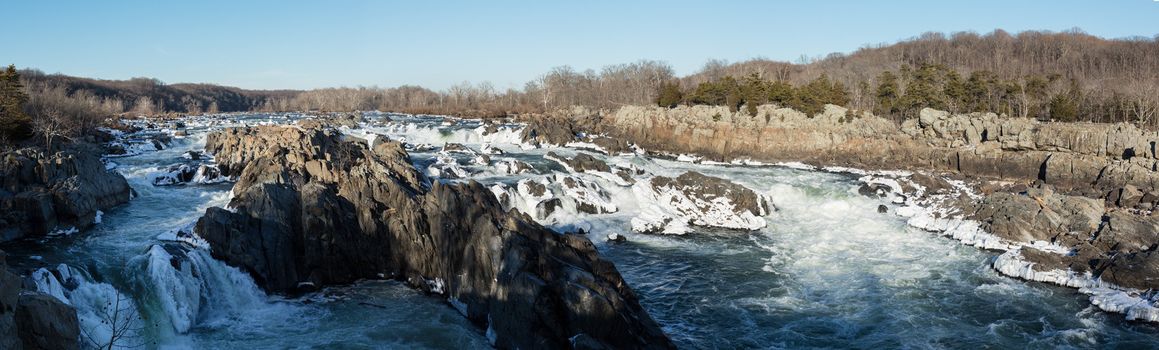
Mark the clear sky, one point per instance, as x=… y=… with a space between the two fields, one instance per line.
x=270 y=44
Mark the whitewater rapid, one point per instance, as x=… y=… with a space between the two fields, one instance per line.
x=825 y=270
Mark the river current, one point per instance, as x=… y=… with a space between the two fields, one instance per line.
x=828 y=271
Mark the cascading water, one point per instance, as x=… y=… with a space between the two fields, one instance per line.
x=828 y=270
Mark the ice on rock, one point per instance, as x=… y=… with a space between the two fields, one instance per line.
x=588 y=196
x=447 y=167
x=177 y=290
x=94 y=302
x=528 y=196
x=673 y=208
x=180 y=174
x=512 y=167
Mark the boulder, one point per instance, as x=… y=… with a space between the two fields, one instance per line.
x=582 y=162
x=50 y=192
x=1040 y=215
x=671 y=205
x=313 y=210
x=45 y=322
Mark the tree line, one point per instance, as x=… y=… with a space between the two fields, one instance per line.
x=1067 y=76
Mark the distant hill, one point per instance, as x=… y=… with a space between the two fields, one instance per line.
x=150 y=96
x=1065 y=76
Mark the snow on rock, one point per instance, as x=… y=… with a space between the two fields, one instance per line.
x=586 y=163
x=93 y=301
x=1135 y=305
x=588 y=196
x=673 y=206
x=179 y=174
x=512 y=167
x=447 y=167
x=529 y=196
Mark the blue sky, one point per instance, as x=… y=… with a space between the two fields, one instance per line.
x=300 y=44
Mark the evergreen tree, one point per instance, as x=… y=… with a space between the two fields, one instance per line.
x=1065 y=106
x=780 y=92
x=955 y=91
x=732 y=93
x=755 y=93
x=669 y=95
x=708 y=93
x=887 y=94
x=14 y=123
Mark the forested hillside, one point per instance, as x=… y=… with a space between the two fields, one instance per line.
x=1067 y=76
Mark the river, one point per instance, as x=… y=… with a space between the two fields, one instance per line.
x=828 y=271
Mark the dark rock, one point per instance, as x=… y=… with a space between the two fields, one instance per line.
x=9 y=299
x=881 y=208
x=56 y=191
x=1133 y=270
x=311 y=208
x=616 y=237
x=874 y=190
x=1040 y=215
x=193 y=155
x=46 y=323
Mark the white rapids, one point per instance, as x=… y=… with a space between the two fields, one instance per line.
x=822 y=270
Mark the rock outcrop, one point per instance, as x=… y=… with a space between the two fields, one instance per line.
x=33 y=320
x=45 y=193
x=576 y=124
x=311 y=209
x=1069 y=156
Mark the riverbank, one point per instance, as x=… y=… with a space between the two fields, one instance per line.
x=1061 y=199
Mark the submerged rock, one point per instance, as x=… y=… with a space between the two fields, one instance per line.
x=312 y=209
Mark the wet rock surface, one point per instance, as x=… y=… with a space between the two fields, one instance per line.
x=312 y=209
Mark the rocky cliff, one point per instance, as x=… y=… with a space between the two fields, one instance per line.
x=44 y=193
x=1093 y=159
x=314 y=208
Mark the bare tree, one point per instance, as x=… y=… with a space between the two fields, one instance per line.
x=51 y=124
x=123 y=324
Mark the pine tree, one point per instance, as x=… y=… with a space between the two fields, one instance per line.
x=669 y=95
x=1065 y=106
x=14 y=123
x=955 y=91
x=887 y=94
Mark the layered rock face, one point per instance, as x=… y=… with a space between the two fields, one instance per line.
x=42 y=193
x=312 y=209
x=1070 y=156
x=33 y=320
